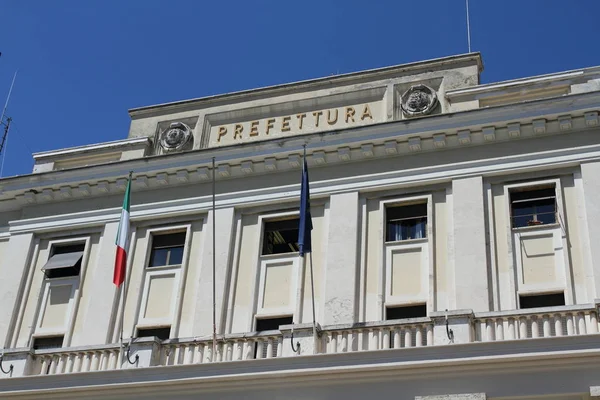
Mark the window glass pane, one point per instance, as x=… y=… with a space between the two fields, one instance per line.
x=176 y=256
x=406 y=222
x=281 y=237
x=158 y=257
x=533 y=207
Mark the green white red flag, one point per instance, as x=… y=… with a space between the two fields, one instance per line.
x=122 y=241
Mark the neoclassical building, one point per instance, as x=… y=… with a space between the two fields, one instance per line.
x=455 y=247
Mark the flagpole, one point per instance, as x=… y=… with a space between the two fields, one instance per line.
x=312 y=280
x=123 y=294
x=214 y=262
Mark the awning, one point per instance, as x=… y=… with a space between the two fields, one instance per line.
x=63 y=260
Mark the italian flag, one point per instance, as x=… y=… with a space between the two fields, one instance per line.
x=122 y=241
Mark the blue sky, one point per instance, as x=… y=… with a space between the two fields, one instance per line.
x=83 y=64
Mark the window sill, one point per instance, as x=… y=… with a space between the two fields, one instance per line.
x=540 y=227
x=279 y=255
x=163 y=267
x=408 y=241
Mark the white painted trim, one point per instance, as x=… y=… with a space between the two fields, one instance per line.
x=380 y=181
x=234 y=273
x=23 y=303
x=114 y=145
x=259 y=274
x=582 y=222
x=492 y=252
x=179 y=272
x=388 y=248
x=563 y=268
x=362 y=282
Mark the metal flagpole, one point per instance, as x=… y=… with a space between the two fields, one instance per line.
x=214 y=262
x=468 y=27
x=123 y=292
x=5 y=138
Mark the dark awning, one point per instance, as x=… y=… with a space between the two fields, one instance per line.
x=63 y=260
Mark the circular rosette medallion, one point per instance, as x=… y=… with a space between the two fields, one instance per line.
x=175 y=137
x=419 y=100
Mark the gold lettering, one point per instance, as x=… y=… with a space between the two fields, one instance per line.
x=270 y=123
x=222 y=132
x=330 y=120
x=317 y=114
x=300 y=119
x=238 y=131
x=285 y=124
x=254 y=128
x=366 y=113
x=350 y=113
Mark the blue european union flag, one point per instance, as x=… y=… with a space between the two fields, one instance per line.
x=305 y=226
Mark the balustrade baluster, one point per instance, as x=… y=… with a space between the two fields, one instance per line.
x=45 y=365
x=269 y=347
x=546 y=325
x=374 y=339
x=69 y=363
x=344 y=348
x=430 y=335
x=523 y=328
x=77 y=362
x=489 y=330
x=593 y=327
x=511 y=334
x=570 y=325
x=279 y=346
x=499 y=329
x=248 y=349
x=535 y=329
x=259 y=352
x=385 y=338
x=397 y=338
x=419 y=336
x=53 y=364
x=581 y=323
x=208 y=353
x=407 y=337
x=558 y=328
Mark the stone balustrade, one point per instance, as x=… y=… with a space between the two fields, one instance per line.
x=382 y=335
x=266 y=344
x=441 y=328
x=536 y=323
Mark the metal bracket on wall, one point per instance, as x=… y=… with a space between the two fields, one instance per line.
x=449 y=331
x=10 y=368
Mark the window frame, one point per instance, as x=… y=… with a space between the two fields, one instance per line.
x=259 y=274
x=76 y=283
x=264 y=232
x=179 y=273
x=535 y=215
x=387 y=249
x=400 y=205
x=562 y=264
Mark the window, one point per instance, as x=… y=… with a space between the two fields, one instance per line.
x=418 y=311
x=162 y=333
x=167 y=250
x=406 y=222
x=64 y=262
x=50 y=342
x=281 y=236
x=542 y=300
x=270 y=324
x=532 y=207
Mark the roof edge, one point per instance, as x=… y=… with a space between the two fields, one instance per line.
x=474 y=56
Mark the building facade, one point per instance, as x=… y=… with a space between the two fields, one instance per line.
x=455 y=245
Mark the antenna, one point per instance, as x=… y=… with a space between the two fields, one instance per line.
x=4 y=141
x=468 y=27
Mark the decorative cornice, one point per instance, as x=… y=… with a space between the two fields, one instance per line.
x=476 y=127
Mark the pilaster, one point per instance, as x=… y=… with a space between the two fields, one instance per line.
x=591 y=193
x=96 y=328
x=341 y=268
x=470 y=261
x=224 y=237
x=13 y=270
